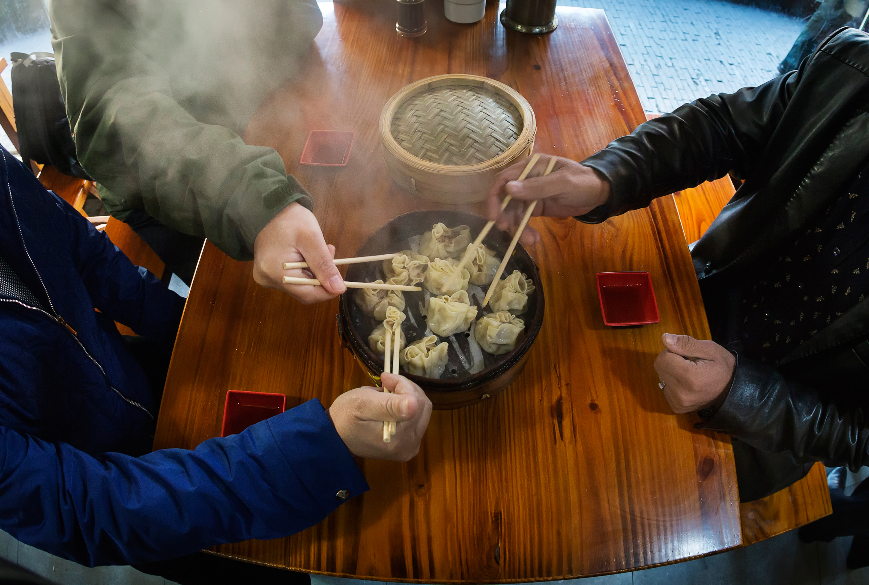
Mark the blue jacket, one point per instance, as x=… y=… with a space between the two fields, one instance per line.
x=77 y=416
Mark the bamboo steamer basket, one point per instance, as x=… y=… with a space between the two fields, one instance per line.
x=445 y=137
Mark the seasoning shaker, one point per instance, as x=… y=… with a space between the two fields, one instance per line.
x=530 y=16
x=411 y=18
x=465 y=11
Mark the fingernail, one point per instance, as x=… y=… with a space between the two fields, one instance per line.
x=513 y=185
x=336 y=283
x=404 y=407
x=669 y=338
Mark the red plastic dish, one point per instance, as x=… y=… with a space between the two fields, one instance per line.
x=627 y=298
x=243 y=409
x=327 y=148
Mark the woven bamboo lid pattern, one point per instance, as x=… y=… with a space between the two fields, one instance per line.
x=445 y=137
x=457 y=125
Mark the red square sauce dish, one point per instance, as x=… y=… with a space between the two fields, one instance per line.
x=243 y=409
x=327 y=148
x=627 y=298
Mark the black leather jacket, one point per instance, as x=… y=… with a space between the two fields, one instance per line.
x=797 y=141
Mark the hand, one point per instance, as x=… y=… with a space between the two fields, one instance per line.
x=294 y=235
x=696 y=374
x=570 y=189
x=358 y=417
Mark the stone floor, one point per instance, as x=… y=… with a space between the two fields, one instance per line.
x=676 y=51
x=681 y=50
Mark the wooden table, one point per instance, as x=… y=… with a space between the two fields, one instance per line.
x=579 y=468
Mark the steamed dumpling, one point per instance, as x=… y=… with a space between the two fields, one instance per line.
x=426 y=357
x=448 y=315
x=483 y=266
x=511 y=294
x=444 y=242
x=377 y=339
x=440 y=272
x=497 y=332
x=407 y=262
x=374 y=302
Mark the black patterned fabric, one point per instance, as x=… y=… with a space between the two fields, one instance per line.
x=11 y=286
x=817 y=279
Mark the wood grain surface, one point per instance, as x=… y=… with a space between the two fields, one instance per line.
x=579 y=468
x=698 y=207
x=795 y=506
x=7 y=114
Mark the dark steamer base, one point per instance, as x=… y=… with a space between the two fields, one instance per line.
x=457 y=387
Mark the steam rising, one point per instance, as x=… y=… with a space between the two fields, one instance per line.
x=223 y=57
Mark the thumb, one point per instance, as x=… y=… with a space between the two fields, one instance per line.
x=683 y=345
x=398 y=407
x=319 y=258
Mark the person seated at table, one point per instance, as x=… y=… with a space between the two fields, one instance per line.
x=784 y=269
x=158 y=94
x=78 y=411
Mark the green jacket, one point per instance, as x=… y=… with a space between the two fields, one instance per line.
x=158 y=92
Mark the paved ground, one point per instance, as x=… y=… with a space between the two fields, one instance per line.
x=676 y=51
x=681 y=50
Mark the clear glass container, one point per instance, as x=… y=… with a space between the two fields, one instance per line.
x=411 y=18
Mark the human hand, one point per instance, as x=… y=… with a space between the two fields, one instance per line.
x=695 y=374
x=570 y=189
x=358 y=416
x=294 y=235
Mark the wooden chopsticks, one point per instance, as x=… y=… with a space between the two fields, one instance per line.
x=471 y=250
x=515 y=239
x=390 y=366
x=348 y=284
x=342 y=261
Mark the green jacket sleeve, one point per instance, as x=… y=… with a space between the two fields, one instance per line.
x=134 y=137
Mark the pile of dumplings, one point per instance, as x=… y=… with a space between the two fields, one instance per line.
x=448 y=308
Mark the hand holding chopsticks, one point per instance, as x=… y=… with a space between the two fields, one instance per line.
x=358 y=412
x=472 y=249
x=515 y=239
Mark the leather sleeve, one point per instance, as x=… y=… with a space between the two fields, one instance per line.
x=776 y=414
x=698 y=142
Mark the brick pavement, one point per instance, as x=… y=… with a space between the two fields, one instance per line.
x=681 y=50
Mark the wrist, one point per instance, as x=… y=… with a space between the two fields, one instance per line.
x=711 y=409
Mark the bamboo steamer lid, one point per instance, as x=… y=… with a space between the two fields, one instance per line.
x=445 y=137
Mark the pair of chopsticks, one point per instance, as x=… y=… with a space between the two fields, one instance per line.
x=342 y=261
x=518 y=233
x=471 y=250
x=390 y=366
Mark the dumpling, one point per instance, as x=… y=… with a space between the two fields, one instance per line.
x=377 y=339
x=443 y=242
x=448 y=315
x=374 y=302
x=511 y=294
x=483 y=265
x=497 y=332
x=440 y=272
x=426 y=357
x=407 y=262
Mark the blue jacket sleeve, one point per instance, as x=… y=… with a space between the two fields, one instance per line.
x=126 y=293
x=276 y=478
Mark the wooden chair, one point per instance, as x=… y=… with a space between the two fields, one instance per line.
x=808 y=499
x=7 y=114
